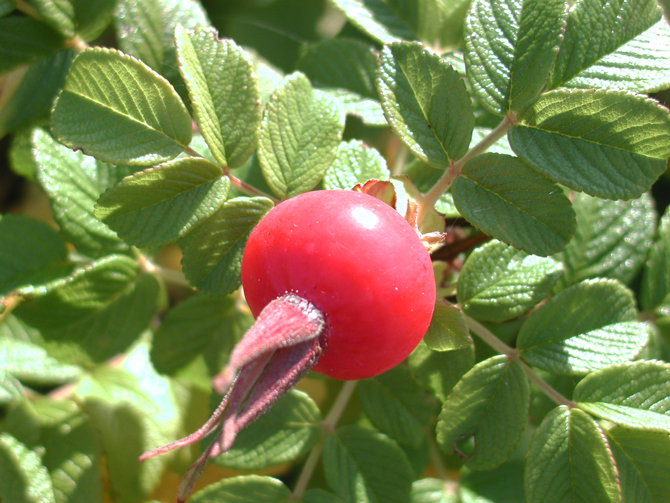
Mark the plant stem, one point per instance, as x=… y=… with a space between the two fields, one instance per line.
x=9 y=303
x=329 y=426
x=27 y=9
x=246 y=188
x=77 y=44
x=454 y=169
x=514 y=354
x=169 y=275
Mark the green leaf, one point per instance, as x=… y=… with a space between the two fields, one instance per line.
x=498 y=282
x=134 y=410
x=31 y=364
x=656 y=277
x=319 y=496
x=10 y=388
x=639 y=66
x=139 y=31
x=642 y=462
x=345 y=69
x=213 y=324
x=66 y=178
x=440 y=371
x=93 y=17
x=425 y=103
x=283 y=434
x=59 y=14
x=374 y=18
x=634 y=395
x=569 y=460
x=118 y=110
x=100 y=310
x=269 y=76
x=71 y=449
x=355 y=163
x=224 y=93
x=509 y=50
x=395 y=404
x=501 y=485
x=505 y=198
x=213 y=251
x=6 y=6
x=33 y=99
x=366 y=467
x=608 y=144
x=24 y=40
x=434 y=491
x=300 y=133
x=244 y=489
x=596 y=28
x=612 y=239
x=32 y=256
x=485 y=414
x=423 y=17
x=572 y=334
x=447 y=330
x=20 y=155
x=24 y=478
x=162 y=204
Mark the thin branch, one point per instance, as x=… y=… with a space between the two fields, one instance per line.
x=9 y=303
x=328 y=425
x=514 y=354
x=76 y=43
x=248 y=189
x=453 y=250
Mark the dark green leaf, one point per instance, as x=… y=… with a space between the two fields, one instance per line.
x=396 y=405
x=596 y=28
x=501 y=485
x=24 y=40
x=376 y=19
x=633 y=395
x=366 y=467
x=300 y=133
x=440 y=371
x=612 y=239
x=33 y=99
x=224 y=93
x=447 y=330
x=213 y=251
x=6 y=6
x=20 y=155
x=101 y=309
x=31 y=364
x=213 y=325
x=134 y=410
x=161 y=204
x=66 y=177
x=425 y=103
x=355 y=163
x=24 y=478
x=569 y=460
x=59 y=14
x=608 y=144
x=32 y=256
x=71 y=450
x=93 y=17
x=572 y=334
x=639 y=66
x=505 y=198
x=319 y=496
x=284 y=433
x=118 y=110
x=656 y=278
x=244 y=489
x=485 y=414
x=642 y=462
x=498 y=282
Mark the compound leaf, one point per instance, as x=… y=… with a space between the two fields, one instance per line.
x=244 y=489
x=499 y=282
x=161 y=204
x=608 y=144
x=224 y=93
x=571 y=334
x=634 y=395
x=485 y=414
x=213 y=251
x=284 y=433
x=425 y=103
x=365 y=466
x=300 y=132
x=32 y=255
x=570 y=460
x=505 y=198
x=24 y=478
x=395 y=404
x=607 y=231
x=117 y=109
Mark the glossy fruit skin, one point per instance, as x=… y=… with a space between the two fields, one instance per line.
x=359 y=262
